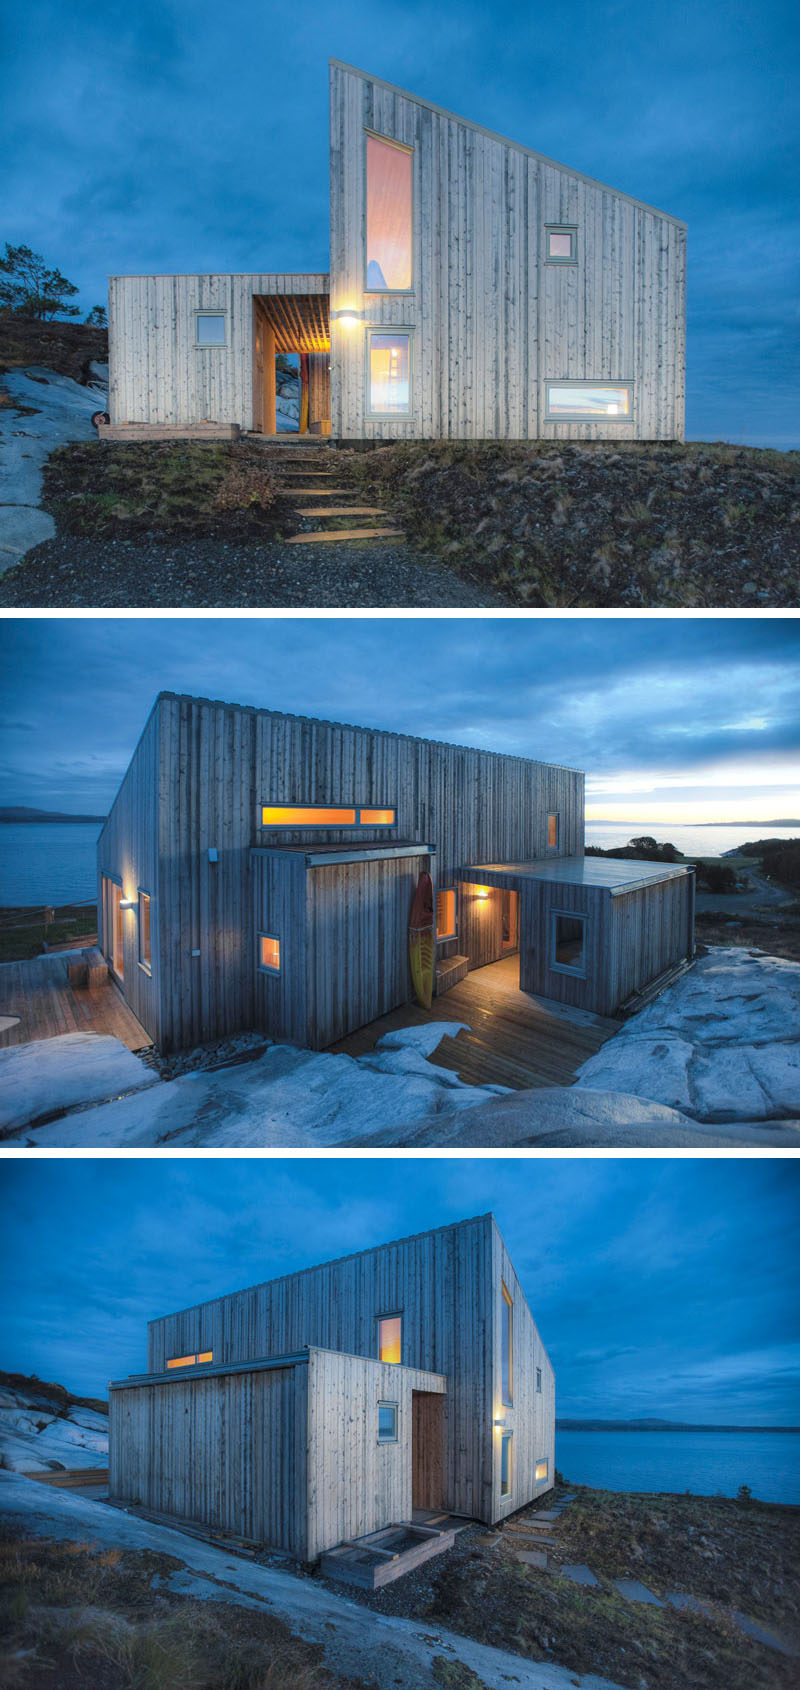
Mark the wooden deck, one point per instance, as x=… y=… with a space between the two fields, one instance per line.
x=514 y=1040
x=39 y=993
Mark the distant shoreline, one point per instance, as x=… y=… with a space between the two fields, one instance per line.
x=14 y=817
x=660 y=1426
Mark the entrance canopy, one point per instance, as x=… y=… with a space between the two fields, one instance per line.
x=615 y=875
x=300 y=321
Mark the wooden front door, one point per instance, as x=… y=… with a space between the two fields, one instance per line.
x=427 y=1450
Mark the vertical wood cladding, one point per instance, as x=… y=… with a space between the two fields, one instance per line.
x=531 y=1416
x=216 y=764
x=441 y=1284
x=492 y=321
x=630 y=938
x=156 y=372
x=127 y=850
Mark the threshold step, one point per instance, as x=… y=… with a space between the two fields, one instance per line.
x=331 y=534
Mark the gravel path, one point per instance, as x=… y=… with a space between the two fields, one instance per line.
x=203 y=573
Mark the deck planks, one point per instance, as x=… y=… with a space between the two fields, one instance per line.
x=515 y=1040
x=39 y=992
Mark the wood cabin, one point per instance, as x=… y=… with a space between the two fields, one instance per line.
x=476 y=291
x=257 y=870
x=342 y=1399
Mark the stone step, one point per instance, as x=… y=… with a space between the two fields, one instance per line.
x=633 y=1591
x=580 y=1574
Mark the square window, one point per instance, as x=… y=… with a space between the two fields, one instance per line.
x=390 y=1338
x=553 y=830
x=210 y=328
x=569 y=943
x=387 y=1422
x=269 y=953
x=561 y=243
x=446 y=914
x=389 y=379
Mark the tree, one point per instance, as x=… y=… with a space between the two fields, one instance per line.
x=29 y=289
x=97 y=317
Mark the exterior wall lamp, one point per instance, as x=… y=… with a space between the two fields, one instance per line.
x=347 y=319
x=499 y=1422
x=481 y=893
x=127 y=903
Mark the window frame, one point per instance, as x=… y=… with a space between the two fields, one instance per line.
x=145 y=963
x=379 y=1319
x=214 y=345
x=539 y=1478
x=581 y=416
x=507 y=1485
x=394 y=1408
x=333 y=827
x=538 y=1379
x=566 y=967
x=388 y=293
x=553 y=815
x=265 y=967
x=396 y=329
x=507 y=1312
x=452 y=933
x=201 y=1358
x=570 y=229
x=110 y=911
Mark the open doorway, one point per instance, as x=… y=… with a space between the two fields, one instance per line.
x=291 y=364
x=427 y=1450
x=289 y=393
x=510 y=921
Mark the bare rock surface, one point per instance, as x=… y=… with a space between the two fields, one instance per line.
x=47 y=410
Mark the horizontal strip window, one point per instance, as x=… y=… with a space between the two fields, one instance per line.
x=200 y=1359
x=589 y=401
x=210 y=328
x=561 y=243
x=319 y=815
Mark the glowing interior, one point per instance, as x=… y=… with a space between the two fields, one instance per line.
x=312 y=815
x=583 y=399
x=390 y=1332
x=270 y=952
x=445 y=914
x=182 y=1361
x=376 y=818
x=389 y=369
x=388 y=216
x=541 y=1470
x=552 y=833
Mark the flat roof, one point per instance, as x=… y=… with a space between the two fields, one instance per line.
x=317 y=855
x=261 y=1364
x=614 y=874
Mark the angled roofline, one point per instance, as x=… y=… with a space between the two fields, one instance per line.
x=505 y=141
x=359 y=727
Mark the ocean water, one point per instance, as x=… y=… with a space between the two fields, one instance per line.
x=707 y=1463
x=47 y=862
x=693 y=841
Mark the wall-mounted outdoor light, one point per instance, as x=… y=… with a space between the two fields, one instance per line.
x=499 y=1422
x=348 y=319
x=481 y=893
x=127 y=903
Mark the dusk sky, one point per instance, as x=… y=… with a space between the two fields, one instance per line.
x=148 y=135
x=634 y=1269
x=673 y=720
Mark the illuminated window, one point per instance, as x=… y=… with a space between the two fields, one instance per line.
x=191 y=1361
x=318 y=815
x=390 y=1338
x=589 y=401
x=387 y=1422
x=209 y=328
x=538 y=1378
x=113 y=925
x=389 y=219
x=144 y=930
x=506 y=1342
x=446 y=914
x=569 y=943
x=389 y=373
x=376 y=818
x=505 y=1463
x=269 y=953
x=552 y=831
x=541 y=1471
x=561 y=245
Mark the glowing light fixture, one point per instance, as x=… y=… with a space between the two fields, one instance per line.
x=348 y=319
x=482 y=893
x=127 y=903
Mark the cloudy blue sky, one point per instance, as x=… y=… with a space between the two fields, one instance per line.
x=634 y=1269
x=673 y=719
x=149 y=135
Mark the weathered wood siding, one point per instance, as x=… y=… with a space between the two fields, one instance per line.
x=629 y=939
x=156 y=372
x=279 y=908
x=441 y=1284
x=357 y=950
x=355 y=1484
x=229 y=1451
x=218 y=763
x=531 y=1416
x=491 y=320
x=480 y=924
x=127 y=850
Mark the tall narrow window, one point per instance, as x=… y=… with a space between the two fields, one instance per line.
x=506 y=1343
x=569 y=943
x=144 y=930
x=112 y=925
x=446 y=914
x=390 y=1338
x=389 y=217
x=387 y=1422
x=553 y=831
x=389 y=373
x=538 y=1379
x=505 y=1464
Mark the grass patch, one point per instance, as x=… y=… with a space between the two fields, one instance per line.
x=600 y=524
x=163 y=488
x=77 y=1617
x=23 y=933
